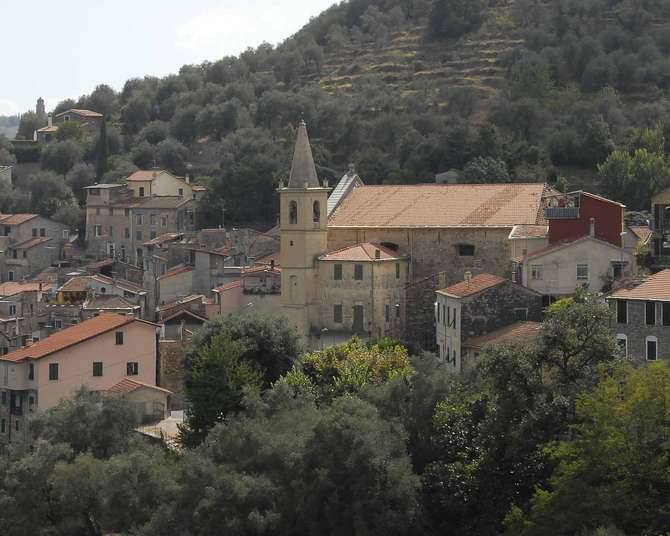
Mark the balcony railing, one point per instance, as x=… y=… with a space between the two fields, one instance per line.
x=561 y=213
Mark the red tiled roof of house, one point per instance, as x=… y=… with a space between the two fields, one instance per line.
x=109 y=301
x=71 y=336
x=198 y=188
x=80 y=111
x=52 y=128
x=144 y=175
x=128 y=385
x=656 y=288
x=441 y=205
x=16 y=219
x=529 y=231
x=267 y=260
x=228 y=286
x=364 y=252
x=180 y=312
x=177 y=270
x=76 y=284
x=475 y=285
x=31 y=243
x=254 y=270
x=642 y=232
x=11 y=288
x=517 y=332
x=167 y=237
x=181 y=301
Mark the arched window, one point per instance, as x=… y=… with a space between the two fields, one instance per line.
x=293 y=212
x=317 y=211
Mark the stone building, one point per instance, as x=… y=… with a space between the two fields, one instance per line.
x=118 y=224
x=478 y=306
x=641 y=318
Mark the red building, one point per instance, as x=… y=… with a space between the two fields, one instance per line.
x=570 y=217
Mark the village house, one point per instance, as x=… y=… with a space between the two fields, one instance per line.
x=30 y=244
x=88 y=120
x=23 y=315
x=118 y=224
x=98 y=354
x=159 y=182
x=478 y=306
x=641 y=318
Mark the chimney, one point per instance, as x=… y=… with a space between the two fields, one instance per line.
x=378 y=254
x=352 y=170
x=592 y=227
x=50 y=120
x=468 y=276
x=187 y=178
x=272 y=264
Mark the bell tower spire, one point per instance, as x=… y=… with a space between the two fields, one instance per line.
x=304 y=236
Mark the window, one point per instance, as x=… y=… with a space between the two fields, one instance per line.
x=520 y=314
x=152 y=235
x=3 y=425
x=397 y=310
x=164 y=221
x=536 y=272
x=126 y=232
x=358 y=272
x=16 y=425
x=666 y=313
x=437 y=312
x=650 y=313
x=4 y=398
x=138 y=219
x=12 y=310
x=387 y=313
x=53 y=371
x=652 y=348
x=317 y=211
x=582 y=272
x=622 y=341
x=337 y=272
x=43 y=232
x=152 y=219
x=97 y=211
x=181 y=192
x=34 y=232
x=66 y=234
x=132 y=368
x=110 y=232
x=25 y=253
x=31 y=371
x=293 y=212
x=98 y=230
x=138 y=235
x=10 y=276
x=397 y=270
x=111 y=211
x=466 y=250
x=141 y=191
x=126 y=212
x=58 y=323
x=622 y=312
x=97 y=368
x=119 y=337
x=337 y=314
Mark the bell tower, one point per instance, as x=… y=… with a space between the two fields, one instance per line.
x=304 y=236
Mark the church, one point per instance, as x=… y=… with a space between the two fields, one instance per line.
x=366 y=260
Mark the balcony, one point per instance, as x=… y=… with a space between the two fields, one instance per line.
x=561 y=213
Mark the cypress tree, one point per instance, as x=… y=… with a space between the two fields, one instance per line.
x=102 y=151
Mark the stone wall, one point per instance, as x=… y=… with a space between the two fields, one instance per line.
x=420 y=325
x=495 y=308
x=636 y=331
x=171 y=371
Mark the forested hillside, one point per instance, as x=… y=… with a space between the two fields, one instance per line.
x=502 y=90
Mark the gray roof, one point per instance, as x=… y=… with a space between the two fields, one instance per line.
x=346 y=184
x=303 y=171
x=103 y=186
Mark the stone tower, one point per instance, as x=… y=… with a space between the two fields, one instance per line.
x=304 y=236
x=41 y=111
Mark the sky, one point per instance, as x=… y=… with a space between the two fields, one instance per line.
x=64 y=49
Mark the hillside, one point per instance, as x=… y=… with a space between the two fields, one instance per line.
x=498 y=90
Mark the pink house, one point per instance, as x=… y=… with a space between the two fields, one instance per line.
x=99 y=354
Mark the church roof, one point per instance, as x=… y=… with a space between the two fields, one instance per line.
x=441 y=206
x=341 y=191
x=363 y=252
x=303 y=170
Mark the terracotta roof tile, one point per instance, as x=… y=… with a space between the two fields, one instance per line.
x=364 y=252
x=109 y=301
x=16 y=219
x=128 y=385
x=656 y=287
x=228 y=286
x=144 y=175
x=71 y=336
x=79 y=111
x=529 y=231
x=31 y=243
x=441 y=205
x=177 y=270
x=181 y=301
x=167 y=237
x=11 y=288
x=517 y=332
x=52 y=128
x=477 y=284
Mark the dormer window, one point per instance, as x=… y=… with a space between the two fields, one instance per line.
x=317 y=212
x=293 y=212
